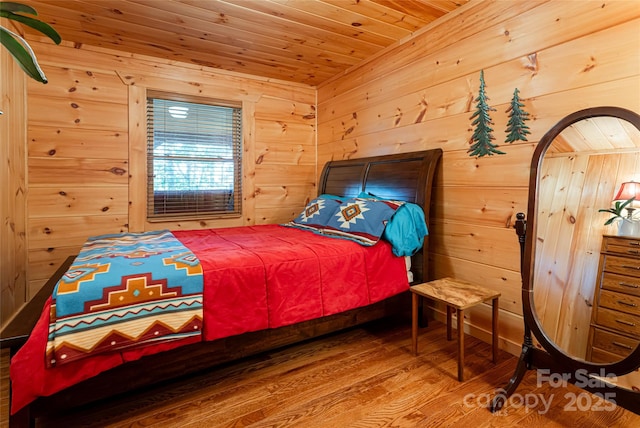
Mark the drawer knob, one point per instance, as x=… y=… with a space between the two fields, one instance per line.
x=622 y=302
x=630 y=324
x=624 y=284
x=631 y=267
x=622 y=345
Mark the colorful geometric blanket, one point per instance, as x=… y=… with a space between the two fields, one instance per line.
x=124 y=291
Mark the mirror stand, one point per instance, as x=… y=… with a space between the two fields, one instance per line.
x=524 y=362
x=532 y=358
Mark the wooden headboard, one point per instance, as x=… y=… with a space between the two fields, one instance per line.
x=403 y=176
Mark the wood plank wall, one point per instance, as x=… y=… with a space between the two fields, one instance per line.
x=86 y=142
x=13 y=191
x=562 y=56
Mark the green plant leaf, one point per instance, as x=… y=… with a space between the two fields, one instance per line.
x=618 y=207
x=8 y=6
x=42 y=27
x=608 y=210
x=624 y=204
x=22 y=53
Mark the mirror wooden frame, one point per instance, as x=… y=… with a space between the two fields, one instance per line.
x=552 y=358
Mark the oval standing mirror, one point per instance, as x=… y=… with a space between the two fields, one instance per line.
x=581 y=172
x=580 y=276
x=585 y=274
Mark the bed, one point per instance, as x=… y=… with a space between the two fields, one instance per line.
x=277 y=318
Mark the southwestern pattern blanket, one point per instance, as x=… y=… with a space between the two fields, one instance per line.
x=124 y=291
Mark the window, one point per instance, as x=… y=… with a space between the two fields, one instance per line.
x=194 y=158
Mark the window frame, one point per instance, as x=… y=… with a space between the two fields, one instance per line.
x=238 y=150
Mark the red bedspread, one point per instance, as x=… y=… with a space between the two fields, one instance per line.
x=255 y=278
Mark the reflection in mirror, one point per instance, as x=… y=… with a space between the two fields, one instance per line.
x=581 y=172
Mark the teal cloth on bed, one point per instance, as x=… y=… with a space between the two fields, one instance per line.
x=406 y=228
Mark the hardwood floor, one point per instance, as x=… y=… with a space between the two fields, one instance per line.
x=363 y=377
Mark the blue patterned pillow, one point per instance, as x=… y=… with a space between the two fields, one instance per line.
x=318 y=212
x=361 y=220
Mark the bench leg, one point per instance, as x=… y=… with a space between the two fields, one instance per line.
x=449 y=309
x=423 y=320
x=460 y=314
x=494 y=329
x=414 y=323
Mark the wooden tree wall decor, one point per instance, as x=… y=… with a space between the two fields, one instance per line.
x=482 y=136
x=516 y=129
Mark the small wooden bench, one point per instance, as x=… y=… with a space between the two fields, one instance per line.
x=458 y=295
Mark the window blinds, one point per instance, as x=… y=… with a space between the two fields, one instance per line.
x=194 y=159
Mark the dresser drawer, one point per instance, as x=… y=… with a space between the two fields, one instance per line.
x=622 y=265
x=621 y=283
x=602 y=357
x=619 y=321
x=622 y=246
x=614 y=343
x=620 y=302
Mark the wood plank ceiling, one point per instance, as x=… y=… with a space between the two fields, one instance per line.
x=305 y=41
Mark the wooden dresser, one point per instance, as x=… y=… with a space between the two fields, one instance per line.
x=615 y=320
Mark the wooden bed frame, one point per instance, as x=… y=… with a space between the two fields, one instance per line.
x=405 y=176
